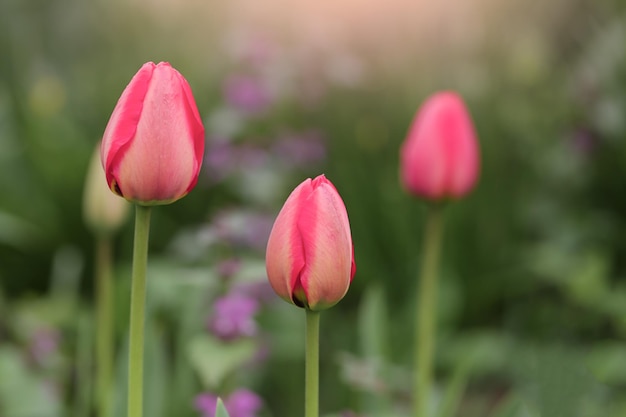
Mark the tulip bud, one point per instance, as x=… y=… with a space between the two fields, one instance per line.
x=153 y=144
x=103 y=211
x=310 y=256
x=440 y=157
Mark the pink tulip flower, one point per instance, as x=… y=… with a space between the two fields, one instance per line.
x=310 y=256
x=153 y=144
x=440 y=157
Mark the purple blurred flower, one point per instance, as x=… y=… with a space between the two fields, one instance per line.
x=251 y=157
x=243 y=228
x=44 y=342
x=241 y=403
x=260 y=290
x=247 y=94
x=206 y=403
x=224 y=159
x=228 y=267
x=583 y=142
x=259 y=227
x=233 y=316
x=220 y=159
x=255 y=49
x=303 y=149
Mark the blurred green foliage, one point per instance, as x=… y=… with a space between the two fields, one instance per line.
x=533 y=295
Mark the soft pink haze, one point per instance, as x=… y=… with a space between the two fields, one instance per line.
x=440 y=157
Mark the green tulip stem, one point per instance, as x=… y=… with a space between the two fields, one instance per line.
x=137 y=312
x=312 y=367
x=427 y=311
x=104 y=324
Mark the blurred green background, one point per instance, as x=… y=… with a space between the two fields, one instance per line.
x=532 y=308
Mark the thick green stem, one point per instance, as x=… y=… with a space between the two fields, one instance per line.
x=312 y=368
x=427 y=312
x=104 y=325
x=137 y=312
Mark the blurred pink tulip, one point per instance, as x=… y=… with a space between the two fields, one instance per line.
x=440 y=157
x=310 y=256
x=153 y=144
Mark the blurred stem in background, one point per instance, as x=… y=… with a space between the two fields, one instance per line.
x=311 y=398
x=104 y=324
x=427 y=309
x=137 y=311
x=104 y=214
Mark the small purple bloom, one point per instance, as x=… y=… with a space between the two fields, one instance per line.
x=247 y=94
x=224 y=159
x=228 y=267
x=243 y=228
x=251 y=157
x=220 y=160
x=583 y=142
x=206 y=403
x=243 y=403
x=45 y=341
x=233 y=317
x=240 y=403
x=252 y=48
x=259 y=290
x=303 y=149
x=258 y=232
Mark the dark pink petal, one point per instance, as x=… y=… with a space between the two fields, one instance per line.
x=285 y=252
x=197 y=128
x=122 y=125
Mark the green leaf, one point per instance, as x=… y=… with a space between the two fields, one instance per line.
x=373 y=323
x=220 y=410
x=607 y=362
x=553 y=380
x=170 y=282
x=373 y=335
x=190 y=317
x=511 y=406
x=84 y=364
x=156 y=390
x=22 y=392
x=587 y=284
x=156 y=373
x=17 y=232
x=215 y=360
x=456 y=388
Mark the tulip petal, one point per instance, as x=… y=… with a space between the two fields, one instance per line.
x=440 y=157
x=343 y=214
x=163 y=145
x=423 y=160
x=327 y=243
x=194 y=121
x=285 y=252
x=154 y=142
x=123 y=122
x=310 y=256
x=460 y=148
x=352 y=263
